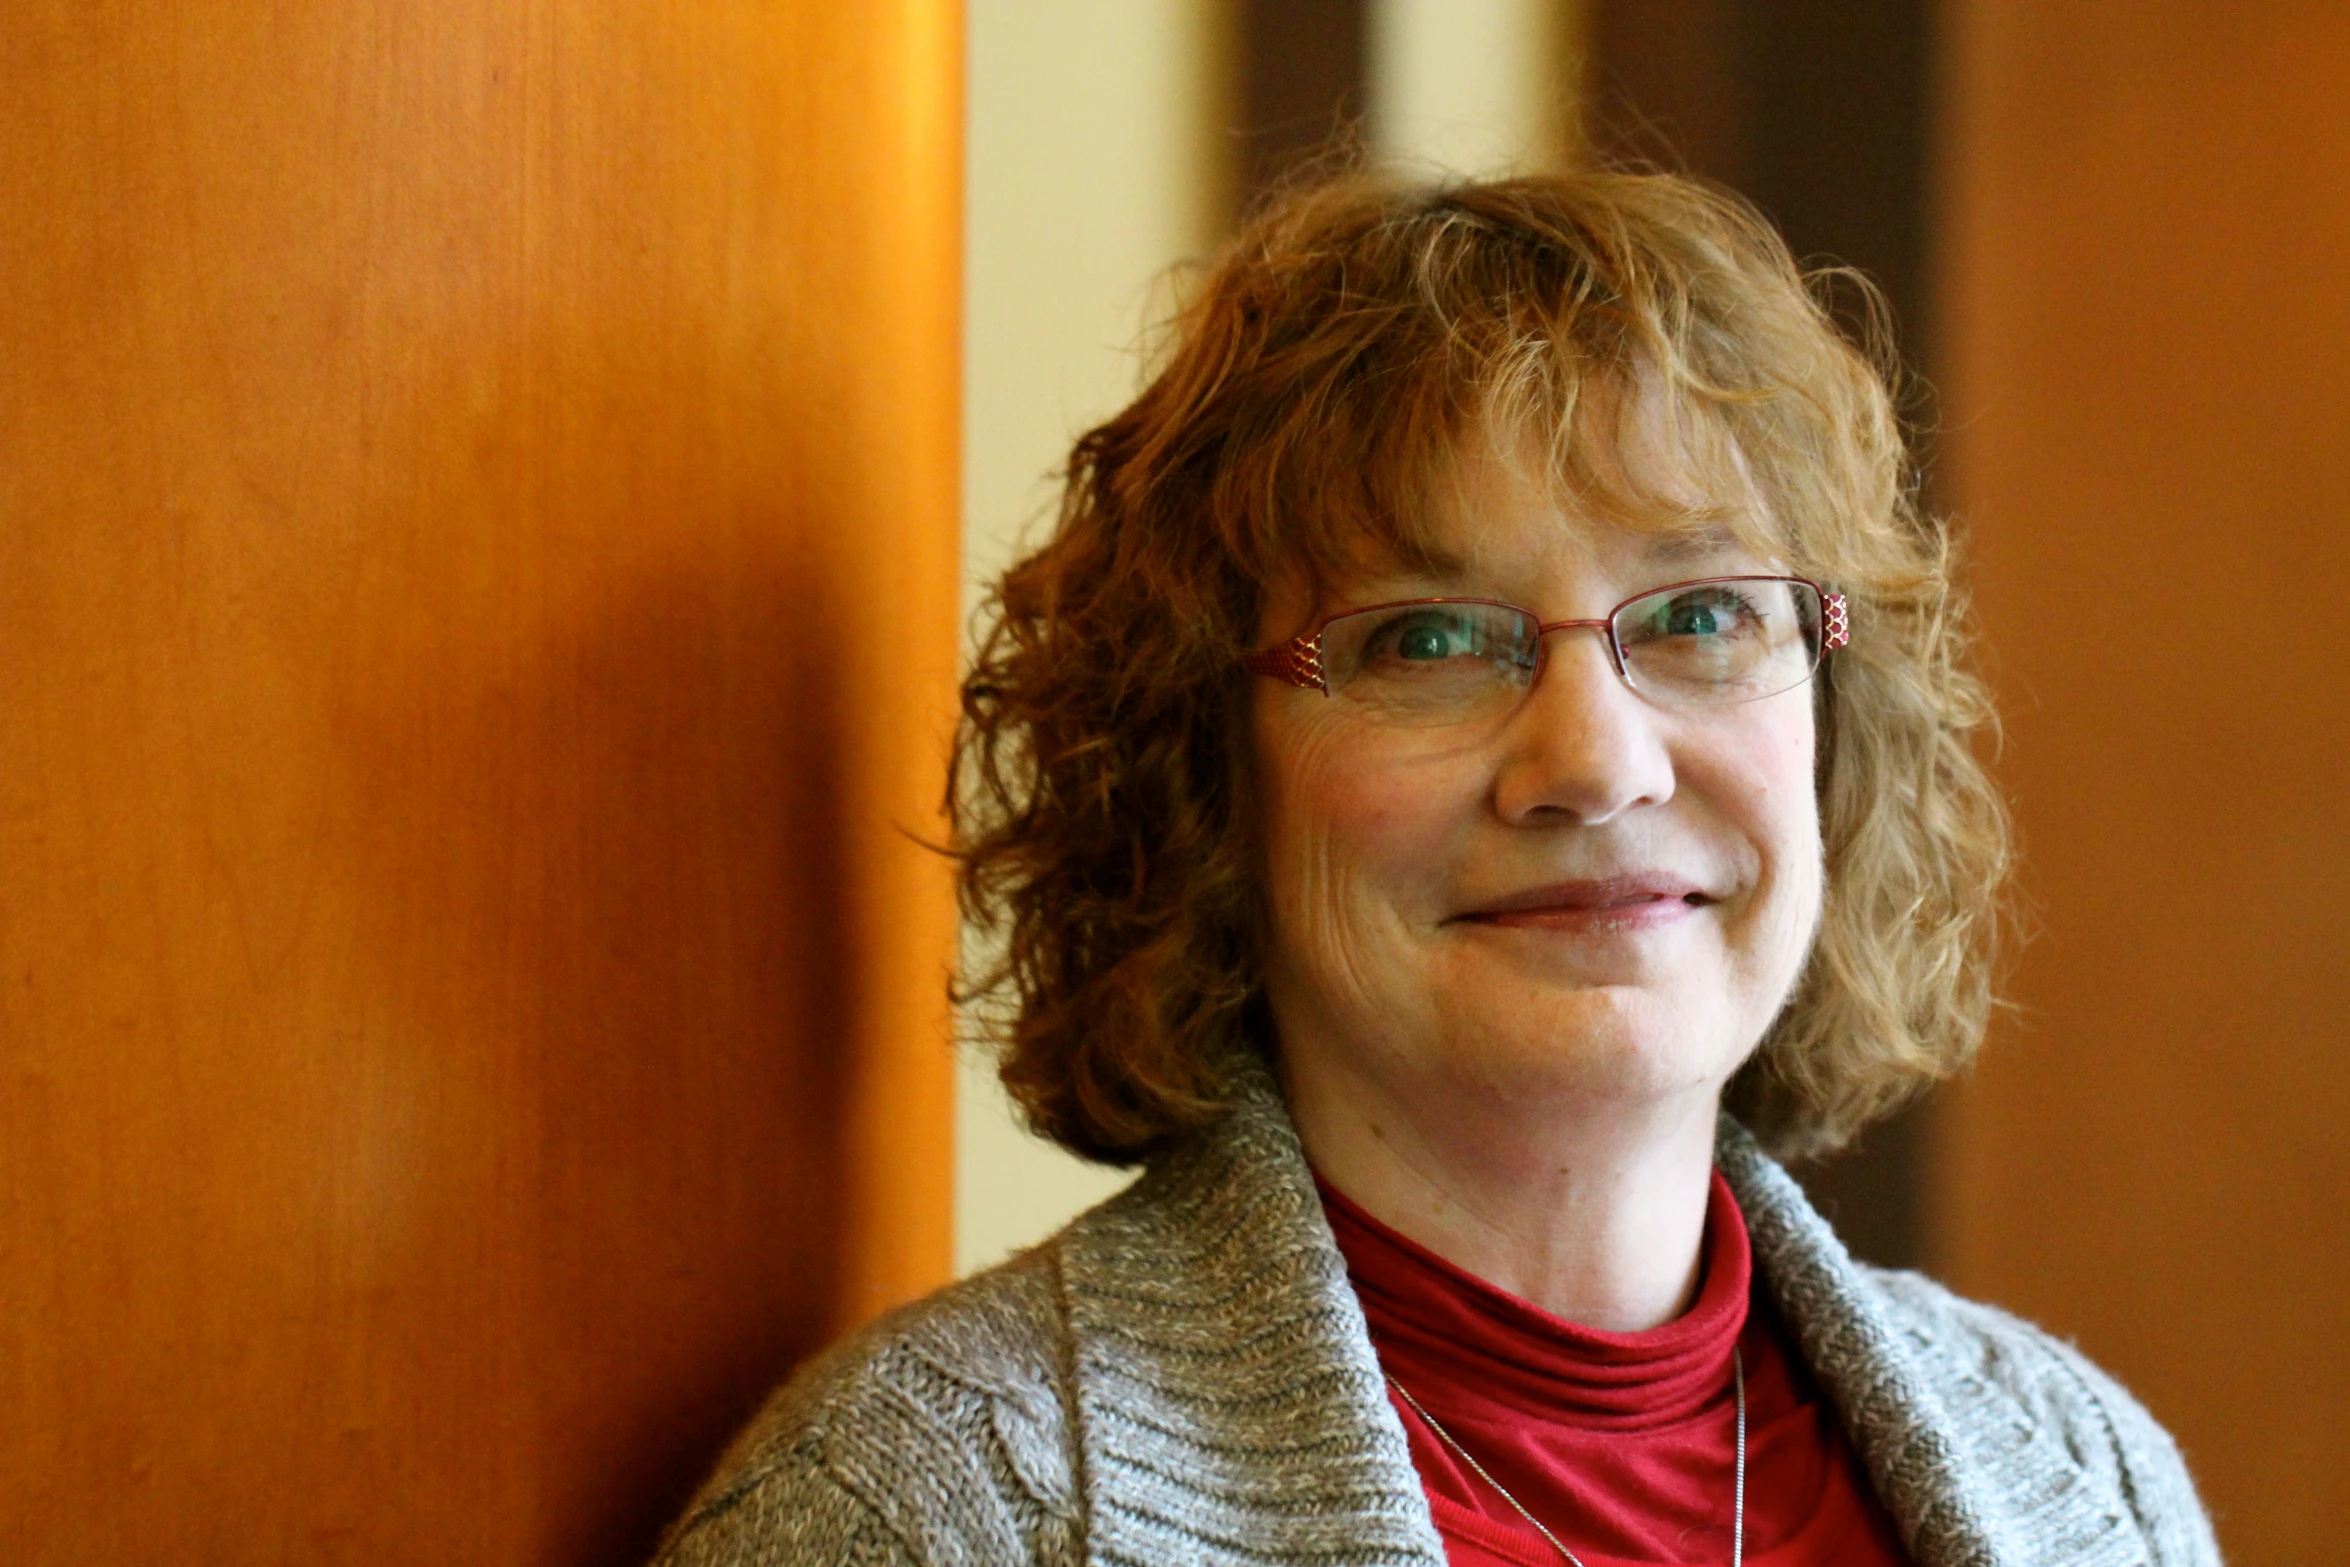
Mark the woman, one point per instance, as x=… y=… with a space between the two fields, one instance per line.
x=1484 y=756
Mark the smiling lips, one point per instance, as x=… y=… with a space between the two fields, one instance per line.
x=1637 y=902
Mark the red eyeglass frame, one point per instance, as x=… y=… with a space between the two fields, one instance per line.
x=1299 y=660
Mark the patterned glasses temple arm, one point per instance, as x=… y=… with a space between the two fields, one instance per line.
x=1299 y=660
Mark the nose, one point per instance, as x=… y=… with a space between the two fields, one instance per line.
x=1583 y=748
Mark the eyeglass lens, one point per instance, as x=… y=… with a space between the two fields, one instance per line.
x=1708 y=643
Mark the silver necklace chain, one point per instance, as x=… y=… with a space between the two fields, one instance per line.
x=1737 y=1473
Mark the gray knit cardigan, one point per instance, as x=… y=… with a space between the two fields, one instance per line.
x=1183 y=1376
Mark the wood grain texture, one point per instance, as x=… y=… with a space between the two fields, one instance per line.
x=2146 y=243
x=477 y=626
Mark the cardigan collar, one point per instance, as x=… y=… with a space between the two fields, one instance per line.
x=1224 y=1376
x=1970 y=1475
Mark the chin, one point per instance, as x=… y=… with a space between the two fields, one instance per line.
x=1601 y=1041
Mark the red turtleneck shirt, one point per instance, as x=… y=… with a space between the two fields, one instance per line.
x=1621 y=1443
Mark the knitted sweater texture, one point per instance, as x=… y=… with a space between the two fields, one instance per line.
x=1183 y=1376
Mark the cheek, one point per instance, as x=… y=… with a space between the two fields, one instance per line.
x=1350 y=835
x=1776 y=805
x=1755 y=782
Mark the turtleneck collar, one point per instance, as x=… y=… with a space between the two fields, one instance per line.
x=1461 y=1344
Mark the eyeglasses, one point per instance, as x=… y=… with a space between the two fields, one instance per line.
x=1426 y=662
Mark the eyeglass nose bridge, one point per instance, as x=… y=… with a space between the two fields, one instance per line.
x=1606 y=627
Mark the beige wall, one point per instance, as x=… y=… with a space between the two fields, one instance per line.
x=2145 y=333
x=1472 y=86
x=1092 y=167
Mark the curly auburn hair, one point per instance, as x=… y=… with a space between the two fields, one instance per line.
x=1328 y=372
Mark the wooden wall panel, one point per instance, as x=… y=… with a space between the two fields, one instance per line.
x=477 y=614
x=1299 y=65
x=2146 y=245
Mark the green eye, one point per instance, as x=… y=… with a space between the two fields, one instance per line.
x=1424 y=642
x=1687 y=619
x=1696 y=614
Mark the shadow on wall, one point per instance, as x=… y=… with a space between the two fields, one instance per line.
x=612 y=1054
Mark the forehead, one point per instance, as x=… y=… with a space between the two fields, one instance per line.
x=1505 y=520
x=1609 y=479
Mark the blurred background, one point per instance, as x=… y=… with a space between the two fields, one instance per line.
x=491 y=495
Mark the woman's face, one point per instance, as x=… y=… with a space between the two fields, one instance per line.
x=1593 y=896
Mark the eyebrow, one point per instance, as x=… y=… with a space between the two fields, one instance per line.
x=1459 y=579
x=1693 y=544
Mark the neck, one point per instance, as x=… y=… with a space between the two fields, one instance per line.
x=1594 y=1212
